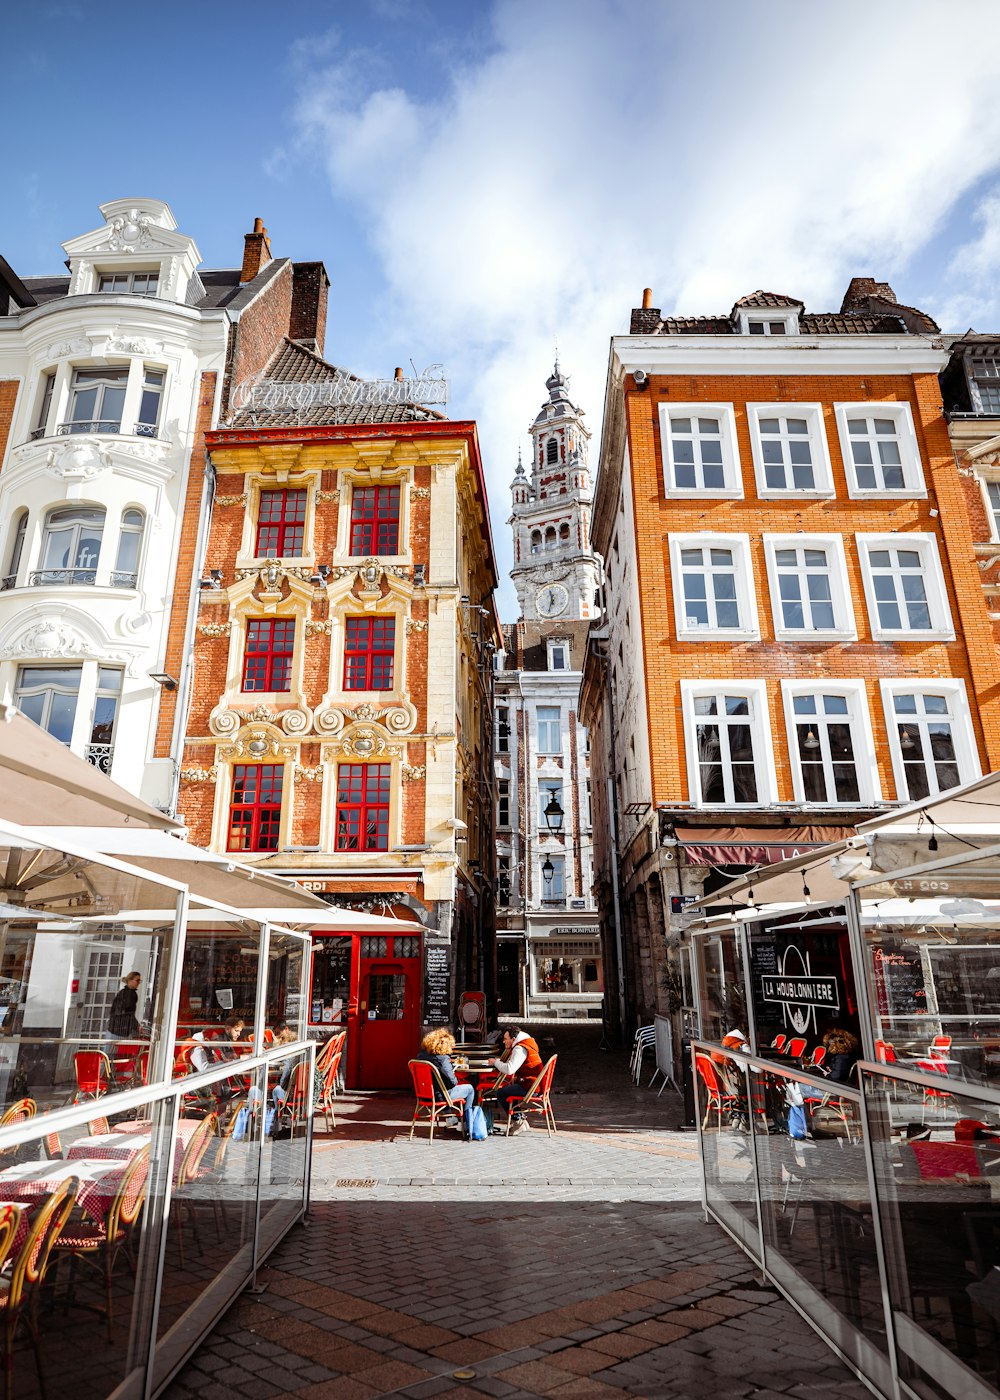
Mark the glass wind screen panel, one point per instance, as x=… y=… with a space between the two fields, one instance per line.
x=330 y=989
x=696 y=449
x=723 y=1000
x=721 y=1096
x=286 y=999
x=804 y=990
x=219 y=979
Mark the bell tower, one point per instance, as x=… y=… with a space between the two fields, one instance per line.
x=556 y=573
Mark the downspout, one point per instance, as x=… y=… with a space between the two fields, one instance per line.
x=612 y=800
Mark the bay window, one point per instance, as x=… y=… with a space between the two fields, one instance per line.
x=97 y=398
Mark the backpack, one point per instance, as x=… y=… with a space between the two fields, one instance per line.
x=478 y=1131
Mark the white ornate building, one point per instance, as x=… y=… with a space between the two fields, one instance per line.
x=549 y=947
x=109 y=377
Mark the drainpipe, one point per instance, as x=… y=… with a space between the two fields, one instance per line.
x=612 y=800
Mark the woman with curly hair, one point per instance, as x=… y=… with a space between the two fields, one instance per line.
x=842 y=1052
x=436 y=1047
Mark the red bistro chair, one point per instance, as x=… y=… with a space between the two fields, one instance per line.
x=19 y=1299
x=295 y=1101
x=940 y=1045
x=536 y=1099
x=94 y=1075
x=817 y=1057
x=795 y=1048
x=718 y=1097
x=778 y=1043
x=931 y=1066
x=427 y=1078
x=330 y=1087
x=885 y=1052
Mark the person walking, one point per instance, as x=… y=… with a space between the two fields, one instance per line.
x=122 y=1023
x=519 y=1065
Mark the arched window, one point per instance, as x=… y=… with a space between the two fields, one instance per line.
x=126 y=572
x=552 y=450
x=16 y=550
x=71 y=545
x=564 y=533
x=550 y=537
x=536 y=541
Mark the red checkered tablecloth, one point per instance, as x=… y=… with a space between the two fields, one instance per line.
x=31 y=1182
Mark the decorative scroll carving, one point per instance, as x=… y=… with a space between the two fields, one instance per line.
x=324 y=498
x=420 y=493
x=361 y=741
x=296 y=720
x=134 y=345
x=232 y=500
x=308 y=775
x=200 y=775
x=350 y=570
x=399 y=719
x=224 y=723
x=415 y=624
x=215 y=629
x=319 y=629
x=260 y=714
x=412 y=773
x=259 y=741
x=329 y=720
x=365 y=711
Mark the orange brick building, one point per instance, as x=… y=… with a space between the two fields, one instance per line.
x=795 y=632
x=340 y=726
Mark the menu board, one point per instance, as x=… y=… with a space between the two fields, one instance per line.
x=437 y=984
x=899 y=980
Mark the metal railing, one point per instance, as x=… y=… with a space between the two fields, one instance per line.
x=100 y=755
x=123 y=580
x=98 y=425
x=60 y=578
x=7 y=583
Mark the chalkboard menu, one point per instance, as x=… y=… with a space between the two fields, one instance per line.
x=437 y=984
x=899 y=979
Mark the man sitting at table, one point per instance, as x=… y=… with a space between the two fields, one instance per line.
x=436 y=1048
x=519 y=1065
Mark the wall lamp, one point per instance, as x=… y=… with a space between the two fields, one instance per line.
x=162 y=678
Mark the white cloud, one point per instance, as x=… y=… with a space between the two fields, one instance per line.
x=602 y=145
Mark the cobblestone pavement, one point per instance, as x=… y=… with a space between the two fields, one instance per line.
x=573 y=1266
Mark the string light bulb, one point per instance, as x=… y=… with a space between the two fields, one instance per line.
x=806 y=894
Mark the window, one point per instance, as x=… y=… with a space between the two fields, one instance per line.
x=536 y=541
x=558 y=655
x=48 y=695
x=986 y=384
x=281 y=525
x=143 y=284
x=904 y=586
x=100 y=749
x=375 y=520
x=363 y=807
x=503 y=802
x=503 y=879
x=149 y=402
x=930 y=737
x=790 y=451
x=503 y=729
x=255 y=809
x=588 y=811
x=126 y=571
x=713 y=586
x=699 y=450
x=42 y=421
x=766 y=328
x=727 y=739
x=267 y=660
x=880 y=450
x=809 y=589
x=553 y=887
x=547 y=789
x=833 y=758
x=71 y=545
x=551 y=451
x=369 y=650
x=993 y=504
x=97 y=398
x=549 y=729
x=16 y=550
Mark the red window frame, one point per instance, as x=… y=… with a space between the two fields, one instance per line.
x=281 y=524
x=375 y=521
x=369 y=653
x=267 y=654
x=363 y=806
x=255 y=807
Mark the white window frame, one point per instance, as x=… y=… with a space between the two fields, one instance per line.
x=909 y=450
x=822 y=469
x=746 y=594
x=859 y=717
x=992 y=512
x=130 y=277
x=966 y=749
x=845 y=626
x=942 y=628
x=503 y=799
x=543 y=730
x=789 y=319
x=760 y=724
x=554 y=644
x=732 y=488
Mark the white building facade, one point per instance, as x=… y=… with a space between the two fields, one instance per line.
x=548 y=939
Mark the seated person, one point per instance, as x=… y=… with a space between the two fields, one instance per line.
x=842 y=1053
x=209 y=1053
x=283 y=1035
x=519 y=1065
x=436 y=1048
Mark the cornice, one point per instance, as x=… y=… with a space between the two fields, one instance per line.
x=793 y=355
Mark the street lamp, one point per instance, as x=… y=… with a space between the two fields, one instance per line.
x=548 y=870
x=553 y=815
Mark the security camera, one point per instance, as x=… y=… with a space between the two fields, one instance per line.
x=641 y=379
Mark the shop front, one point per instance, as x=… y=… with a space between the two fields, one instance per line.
x=564 y=969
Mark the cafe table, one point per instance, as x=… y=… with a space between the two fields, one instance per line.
x=483 y=1078
x=29 y=1183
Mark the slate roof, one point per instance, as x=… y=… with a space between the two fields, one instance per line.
x=869 y=308
x=294 y=363
x=222 y=286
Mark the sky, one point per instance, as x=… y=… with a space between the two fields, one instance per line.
x=489 y=180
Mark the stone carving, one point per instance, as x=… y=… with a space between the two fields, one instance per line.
x=78 y=458
x=414 y=624
x=365 y=711
x=308 y=775
x=258 y=741
x=59 y=349
x=411 y=773
x=136 y=622
x=271 y=576
x=296 y=720
x=420 y=493
x=200 y=775
x=50 y=638
x=324 y=498
x=134 y=345
x=361 y=741
x=232 y=500
x=261 y=715
x=398 y=719
x=351 y=570
x=224 y=723
x=128 y=232
x=215 y=629
x=319 y=629
x=329 y=720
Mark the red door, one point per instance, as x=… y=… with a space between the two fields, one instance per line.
x=388 y=1016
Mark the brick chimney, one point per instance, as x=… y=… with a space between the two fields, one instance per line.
x=256 y=251
x=310 y=293
x=861 y=289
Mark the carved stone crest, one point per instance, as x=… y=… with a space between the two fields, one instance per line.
x=200 y=775
x=78 y=458
x=415 y=624
x=128 y=231
x=364 y=741
x=324 y=498
x=215 y=629
x=319 y=629
x=258 y=741
x=231 y=500
x=411 y=773
x=308 y=775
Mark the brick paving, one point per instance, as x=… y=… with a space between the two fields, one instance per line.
x=574 y=1266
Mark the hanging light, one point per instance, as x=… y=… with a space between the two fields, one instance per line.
x=806 y=895
x=905 y=738
x=548 y=870
x=810 y=741
x=553 y=813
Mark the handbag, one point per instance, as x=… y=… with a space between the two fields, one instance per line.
x=797 y=1126
x=478 y=1132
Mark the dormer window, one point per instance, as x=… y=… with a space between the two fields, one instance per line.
x=140 y=284
x=764 y=320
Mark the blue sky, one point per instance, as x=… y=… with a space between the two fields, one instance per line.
x=486 y=179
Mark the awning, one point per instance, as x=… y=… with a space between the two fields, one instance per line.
x=754 y=845
x=41 y=780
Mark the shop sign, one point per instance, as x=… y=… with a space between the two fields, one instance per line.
x=798 y=991
x=584 y=931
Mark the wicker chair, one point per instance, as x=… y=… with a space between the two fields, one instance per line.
x=100 y=1243
x=97 y=1126
x=19 y=1299
x=431 y=1105
x=536 y=1098
x=192 y=1170
x=18 y=1112
x=330 y=1075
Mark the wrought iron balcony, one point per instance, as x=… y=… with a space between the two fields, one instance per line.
x=61 y=578
x=120 y=580
x=145 y=430
x=100 y=755
x=90 y=425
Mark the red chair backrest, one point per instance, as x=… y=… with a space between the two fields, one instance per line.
x=332 y=1070
x=778 y=1043
x=795 y=1047
x=93 y=1071
x=706 y=1069
x=932 y=1066
x=941 y=1042
x=423 y=1080
x=548 y=1075
x=937 y=1159
x=819 y=1055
